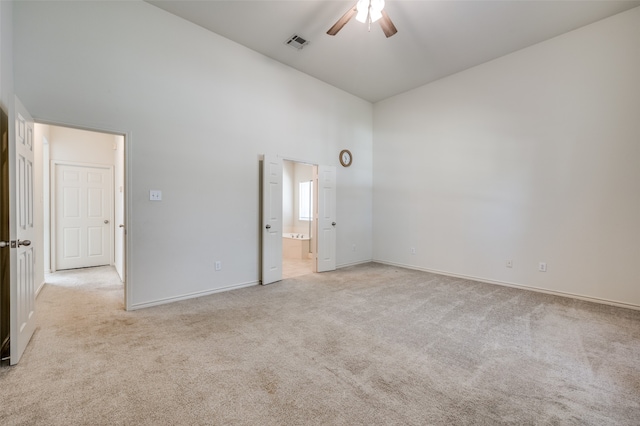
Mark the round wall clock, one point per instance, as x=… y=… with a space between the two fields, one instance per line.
x=345 y=157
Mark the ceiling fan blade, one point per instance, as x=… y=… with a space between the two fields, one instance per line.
x=387 y=26
x=342 y=21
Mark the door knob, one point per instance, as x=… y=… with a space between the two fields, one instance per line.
x=268 y=226
x=106 y=221
x=121 y=226
x=14 y=244
x=333 y=224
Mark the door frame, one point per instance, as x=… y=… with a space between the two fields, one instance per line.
x=316 y=172
x=127 y=279
x=53 y=189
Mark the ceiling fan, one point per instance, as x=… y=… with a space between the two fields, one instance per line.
x=366 y=11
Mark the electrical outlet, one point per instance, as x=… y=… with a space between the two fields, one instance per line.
x=413 y=250
x=542 y=267
x=218 y=265
x=509 y=263
x=155 y=195
x=354 y=248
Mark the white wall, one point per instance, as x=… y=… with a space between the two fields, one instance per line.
x=197 y=110
x=6 y=58
x=531 y=157
x=82 y=146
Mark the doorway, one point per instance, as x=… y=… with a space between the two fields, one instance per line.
x=321 y=239
x=298 y=230
x=84 y=205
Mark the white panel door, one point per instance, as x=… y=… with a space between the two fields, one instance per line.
x=83 y=211
x=326 y=218
x=23 y=289
x=271 y=219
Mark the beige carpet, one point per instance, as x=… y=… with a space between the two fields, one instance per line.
x=365 y=345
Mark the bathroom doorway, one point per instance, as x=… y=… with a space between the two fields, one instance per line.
x=274 y=221
x=299 y=203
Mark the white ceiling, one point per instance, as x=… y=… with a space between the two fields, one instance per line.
x=435 y=38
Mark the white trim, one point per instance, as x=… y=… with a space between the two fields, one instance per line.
x=40 y=287
x=519 y=286
x=293 y=160
x=82 y=164
x=77 y=127
x=194 y=295
x=128 y=207
x=359 y=262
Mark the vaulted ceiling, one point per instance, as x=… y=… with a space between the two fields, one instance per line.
x=435 y=38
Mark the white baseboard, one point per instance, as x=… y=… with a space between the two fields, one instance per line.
x=520 y=286
x=360 y=262
x=158 y=302
x=400 y=265
x=39 y=288
x=142 y=305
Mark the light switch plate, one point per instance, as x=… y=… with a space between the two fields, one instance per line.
x=155 y=195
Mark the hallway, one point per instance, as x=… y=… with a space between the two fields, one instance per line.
x=100 y=282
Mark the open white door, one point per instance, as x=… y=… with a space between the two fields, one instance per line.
x=23 y=291
x=326 y=218
x=271 y=219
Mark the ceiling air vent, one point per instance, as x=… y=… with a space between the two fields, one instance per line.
x=296 y=42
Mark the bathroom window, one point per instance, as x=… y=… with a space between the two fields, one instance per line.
x=306 y=201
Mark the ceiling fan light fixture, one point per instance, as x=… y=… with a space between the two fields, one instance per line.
x=375 y=16
x=375 y=12
x=367 y=12
x=363 y=11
